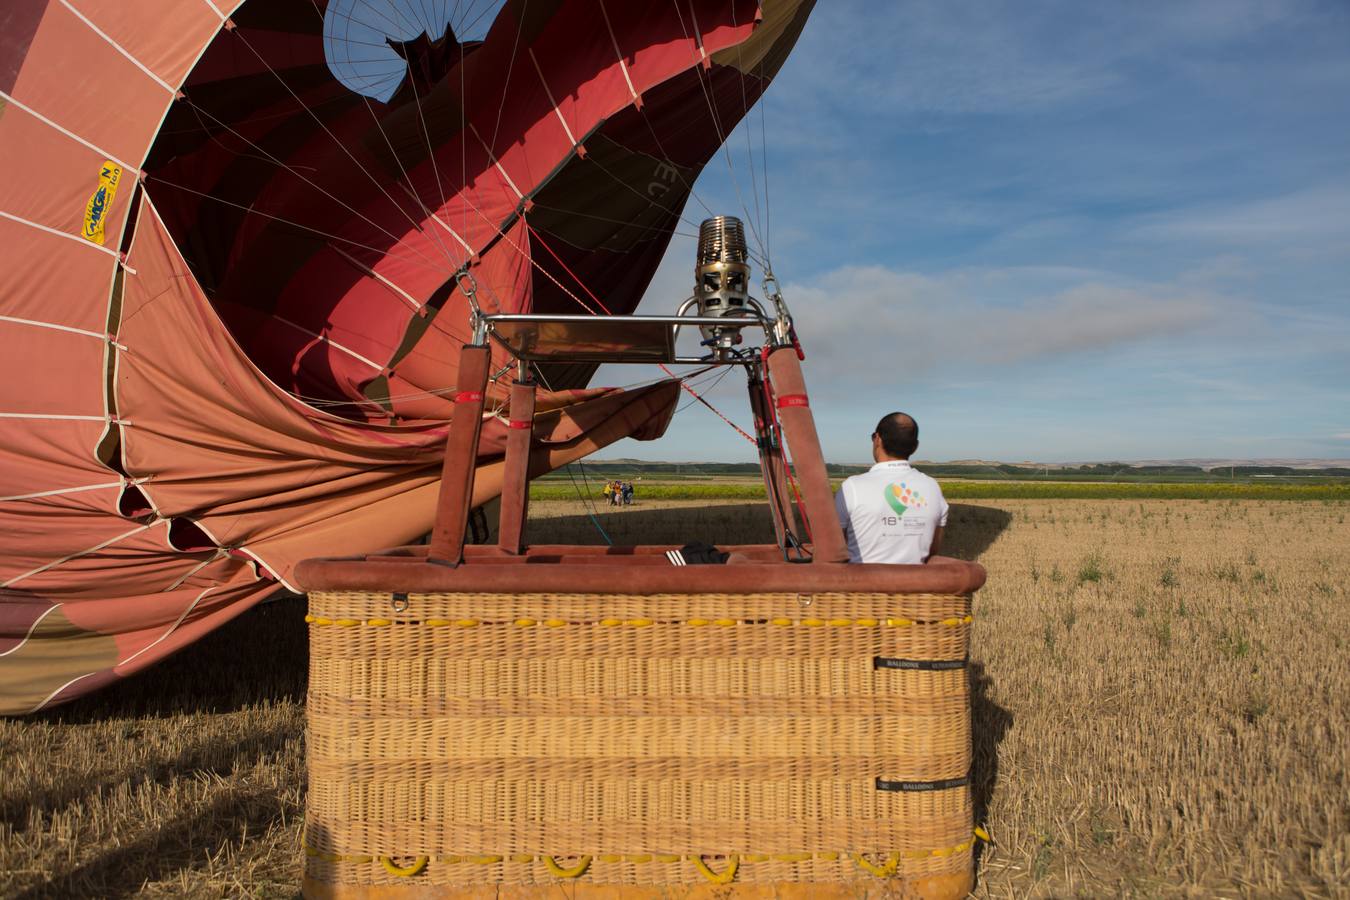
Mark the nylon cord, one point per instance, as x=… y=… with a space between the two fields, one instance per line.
x=397 y=158
x=341 y=146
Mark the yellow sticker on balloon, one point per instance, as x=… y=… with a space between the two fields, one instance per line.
x=98 y=209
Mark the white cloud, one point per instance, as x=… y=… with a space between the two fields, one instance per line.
x=1321 y=213
x=1341 y=436
x=877 y=325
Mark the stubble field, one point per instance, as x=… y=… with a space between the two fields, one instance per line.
x=1161 y=708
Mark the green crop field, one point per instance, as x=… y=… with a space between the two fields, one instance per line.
x=979 y=490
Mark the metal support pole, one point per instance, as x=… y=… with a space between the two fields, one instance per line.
x=516 y=477
x=799 y=427
x=770 y=458
x=461 y=457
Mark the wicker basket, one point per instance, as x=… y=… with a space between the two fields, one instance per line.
x=470 y=741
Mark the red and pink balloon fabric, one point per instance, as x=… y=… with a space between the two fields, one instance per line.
x=232 y=290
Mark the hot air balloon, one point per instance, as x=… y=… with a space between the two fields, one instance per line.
x=241 y=243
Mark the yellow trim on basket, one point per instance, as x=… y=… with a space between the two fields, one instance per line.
x=526 y=622
x=726 y=876
x=407 y=871
x=883 y=871
x=575 y=872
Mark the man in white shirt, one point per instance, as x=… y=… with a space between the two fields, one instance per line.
x=893 y=513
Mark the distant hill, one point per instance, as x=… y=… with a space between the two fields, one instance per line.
x=1264 y=463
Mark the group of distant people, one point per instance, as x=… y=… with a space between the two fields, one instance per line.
x=619 y=493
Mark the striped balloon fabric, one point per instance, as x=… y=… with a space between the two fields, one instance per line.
x=242 y=241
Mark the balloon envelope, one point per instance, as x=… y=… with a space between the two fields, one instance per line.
x=238 y=277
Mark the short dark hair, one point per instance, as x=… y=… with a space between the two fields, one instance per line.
x=899 y=434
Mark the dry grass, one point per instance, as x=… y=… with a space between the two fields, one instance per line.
x=1162 y=708
x=1167 y=706
x=187 y=780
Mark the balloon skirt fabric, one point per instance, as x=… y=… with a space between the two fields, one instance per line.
x=617 y=745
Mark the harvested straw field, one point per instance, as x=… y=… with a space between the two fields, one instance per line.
x=1161 y=702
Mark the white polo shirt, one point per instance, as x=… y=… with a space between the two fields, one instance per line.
x=889 y=513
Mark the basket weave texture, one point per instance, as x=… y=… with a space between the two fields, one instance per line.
x=511 y=739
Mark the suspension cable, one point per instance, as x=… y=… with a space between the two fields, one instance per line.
x=283 y=164
x=717 y=122
x=341 y=146
x=392 y=152
x=744 y=126
x=739 y=430
x=466 y=202
x=587 y=501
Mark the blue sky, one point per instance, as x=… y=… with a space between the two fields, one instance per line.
x=1054 y=231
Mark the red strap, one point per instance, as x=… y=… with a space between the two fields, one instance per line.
x=793 y=400
x=468 y=396
x=520 y=423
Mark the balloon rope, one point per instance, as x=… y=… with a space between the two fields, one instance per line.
x=717 y=125
x=744 y=125
x=506 y=85
x=431 y=155
x=388 y=143
x=594 y=160
x=641 y=109
x=249 y=210
x=588 y=502
x=664 y=368
x=273 y=159
x=335 y=139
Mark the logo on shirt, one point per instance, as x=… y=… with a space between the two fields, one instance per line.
x=901 y=497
